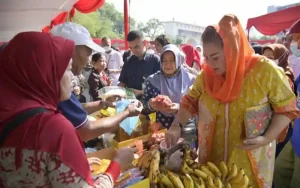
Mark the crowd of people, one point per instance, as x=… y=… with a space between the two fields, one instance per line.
x=223 y=89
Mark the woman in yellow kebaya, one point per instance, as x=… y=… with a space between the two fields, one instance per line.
x=231 y=97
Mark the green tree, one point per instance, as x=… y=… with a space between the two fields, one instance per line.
x=152 y=28
x=97 y=26
x=109 y=11
x=106 y=21
x=178 y=41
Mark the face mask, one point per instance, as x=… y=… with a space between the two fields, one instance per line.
x=294 y=48
x=107 y=48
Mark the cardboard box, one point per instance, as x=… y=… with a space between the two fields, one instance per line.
x=140 y=130
x=131 y=142
x=121 y=135
x=109 y=153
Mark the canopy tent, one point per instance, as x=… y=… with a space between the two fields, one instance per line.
x=37 y=15
x=273 y=23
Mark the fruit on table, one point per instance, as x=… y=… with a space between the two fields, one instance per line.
x=191 y=174
x=97 y=165
x=156 y=138
x=162 y=101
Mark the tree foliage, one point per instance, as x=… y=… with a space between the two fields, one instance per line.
x=152 y=28
x=107 y=21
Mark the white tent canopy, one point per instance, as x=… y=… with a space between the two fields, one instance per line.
x=29 y=15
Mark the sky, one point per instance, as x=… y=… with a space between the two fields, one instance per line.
x=199 y=12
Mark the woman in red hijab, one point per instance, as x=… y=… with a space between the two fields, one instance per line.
x=192 y=56
x=42 y=149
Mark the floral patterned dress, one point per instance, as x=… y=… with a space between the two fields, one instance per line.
x=221 y=126
x=43 y=170
x=45 y=152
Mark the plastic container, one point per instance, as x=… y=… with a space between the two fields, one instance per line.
x=110 y=91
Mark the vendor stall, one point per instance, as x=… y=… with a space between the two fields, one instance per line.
x=273 y=23
x=32 y=15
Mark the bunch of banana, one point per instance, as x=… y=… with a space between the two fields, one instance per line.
x=145 y=160
x=211 y=176
x=154 y=167
x=192 y=174
x=149 y=161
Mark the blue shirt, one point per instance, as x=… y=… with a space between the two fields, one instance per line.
x=295 y=140
x=135 y=70
x=73 y=111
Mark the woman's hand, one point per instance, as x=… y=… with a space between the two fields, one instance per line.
x=173 y=134
x=152 y=104
x=171 y=110
x=254 y=143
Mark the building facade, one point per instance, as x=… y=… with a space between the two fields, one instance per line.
x=188 y=33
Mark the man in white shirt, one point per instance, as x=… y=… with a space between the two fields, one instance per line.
x=114 y=61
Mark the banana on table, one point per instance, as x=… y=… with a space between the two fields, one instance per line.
x=192 y=174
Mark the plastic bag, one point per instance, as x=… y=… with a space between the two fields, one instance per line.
x=130 y=123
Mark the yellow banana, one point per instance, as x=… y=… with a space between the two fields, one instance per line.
x=160 y=185
x=147 y=160
x=165 y=180
x=238 y=177
x=187 y=181
x=143 y=159
x=175 y=180
x=218 y=183
x=202 y=183
x=190 y=162
x=207 y=171
x=135 y=162
x=227 y=185
x=224 y=170
x=195 y=165
x=196 y=185
x=214 y=169
x=200 y=174
x=209 y=181
x=243 y=184
x=232 y=173
x=195 y=178
x=154 y=168
x=185 y=169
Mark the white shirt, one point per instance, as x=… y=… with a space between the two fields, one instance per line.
x=114 y=62
x=295 y=64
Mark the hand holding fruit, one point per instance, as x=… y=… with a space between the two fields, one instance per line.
x=172 y=109
x=135 y=108
x=163 y=104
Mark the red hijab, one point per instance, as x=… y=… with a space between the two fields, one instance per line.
x=192 y=55
x=31 y=67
